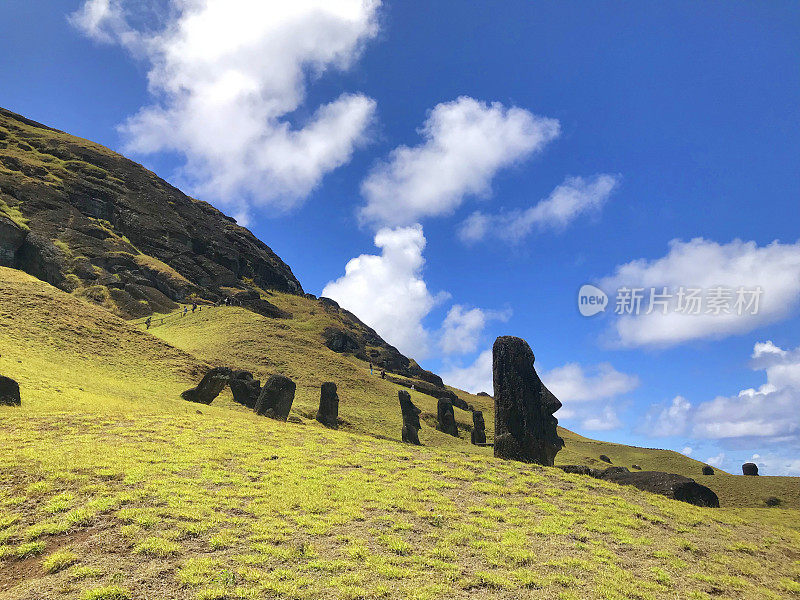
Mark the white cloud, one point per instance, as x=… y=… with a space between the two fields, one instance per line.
x=573 y=383
x=388 y=292
x=704 y=264
x=667 y=421
x=474 y=378
x=462 y=328
x=465 y=143
x=716 y=461
x=574 y=197
x=764 y=416
x=226 y=76
x=584 y=392
x=687 y=451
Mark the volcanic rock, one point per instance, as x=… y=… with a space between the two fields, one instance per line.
x=209 y=387
x=478 y=435
x=411 y=424
x=9 y=392
x=750 y=469
x=244 y=388
x=445 y=418
x=328 y=413
x=708 y=470
x=276 y=398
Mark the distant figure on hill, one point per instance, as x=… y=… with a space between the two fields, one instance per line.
x=185 y=310
x=148 y=321
x=383 y=374
x=370 y=368
x=194 y=306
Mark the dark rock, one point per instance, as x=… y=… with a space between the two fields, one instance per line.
x=612 y=470
x=328 y=413
x=604 y=458
x=12 y=235
x=773 y=501
x=245 y=388
x=636 y=467
x=424 y=387
x=525 y=428
x=209 y=387
x=252 y=300
x=276 y=398
x=478 y=428
x=580 y=470
x=670 y=485
x=445 y=418
x=484 y=394
x=411 y=424
x=329 y=304
x=708 y=470
x=750 y=469
x=9 y=392
x=339 y=341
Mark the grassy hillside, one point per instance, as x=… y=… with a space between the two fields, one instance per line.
x=112 y=487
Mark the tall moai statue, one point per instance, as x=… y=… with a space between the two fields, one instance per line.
x=275 y=400
x=328 y=413
x=411 y=424
x=478 y=435
x=525 y=428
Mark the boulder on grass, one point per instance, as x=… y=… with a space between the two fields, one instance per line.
x=245 y=388
x=772 y=501
x=604 y=458
x=750 y=469
x=525 y=428
x=636 y=467
x=670 y=485
x=328 y=413
x=275 y=400
x=9 y=392
x=708 y=470
x=209 y=387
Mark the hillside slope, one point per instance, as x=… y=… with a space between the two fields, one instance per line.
x=111 y=487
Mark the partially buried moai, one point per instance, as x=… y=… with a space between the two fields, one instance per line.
x=478 y=428
x=275 y=400
x=328 y=413
x=446 y=418
x=525 y=428
x=411 y=424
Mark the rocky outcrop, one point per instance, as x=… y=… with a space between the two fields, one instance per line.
x=478 y=435
x=339 y=341
x=708 y=470
x=252 y=300
x=445 y=418
x=9 y=392
x=604 y=458
x=209 y=387
x=245 y=388
x=484 y=394
x=106 y=226
x=328 y=413
x=276 y=398
x=411 y=424
x=525 y=428
x=750 y=469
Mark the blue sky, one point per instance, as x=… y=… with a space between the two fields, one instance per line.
x=501 y=155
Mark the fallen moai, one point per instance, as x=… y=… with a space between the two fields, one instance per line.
x=276 y=398
x=209 y=387
x=245 y=388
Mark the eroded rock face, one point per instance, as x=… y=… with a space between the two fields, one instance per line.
x=445 y=418
x=276 y=398
x=12 y=236
x=245 y=388
x=525 y=428
x=750 y=469
x=9 y=392
x=209 y=387
x=478 y=428
x=708 y=470
x=328 y=413
x=411 y=424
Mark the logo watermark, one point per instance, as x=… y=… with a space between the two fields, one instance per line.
x=715 y=301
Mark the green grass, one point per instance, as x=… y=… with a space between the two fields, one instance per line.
x=161 y=498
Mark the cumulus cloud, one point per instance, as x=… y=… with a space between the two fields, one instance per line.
x=228 y=78
x=584 y=392
x=462 y=328
x=473 y=378
x=387 y=291
x=716 y=461
x=669 y=420
x=687 y=451
x=574 y=197
x=767 y=415
x=465 y=143
x=708 y=266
